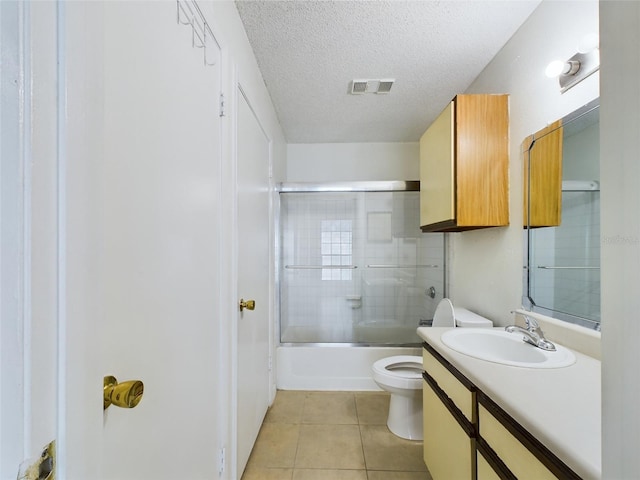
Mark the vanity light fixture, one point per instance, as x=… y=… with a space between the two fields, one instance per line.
x=577 y=68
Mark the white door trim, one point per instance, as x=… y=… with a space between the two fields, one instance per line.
x=28 y=257
x=227 y=255
x=14 y=325
x=233 y=277
x=61 y=156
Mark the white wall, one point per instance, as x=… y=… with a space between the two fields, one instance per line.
x=486 y=265
x=620 y=173
x=332 y=162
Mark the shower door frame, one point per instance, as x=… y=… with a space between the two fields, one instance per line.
x=341 y=187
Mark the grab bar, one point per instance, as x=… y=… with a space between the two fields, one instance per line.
x=319 y=267
x=402 y=266
x=545 y=267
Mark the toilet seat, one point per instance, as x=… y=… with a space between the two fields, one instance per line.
x=401 y=371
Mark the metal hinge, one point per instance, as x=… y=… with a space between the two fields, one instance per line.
x=222 y=104
x=270 y=363
x=221 y=461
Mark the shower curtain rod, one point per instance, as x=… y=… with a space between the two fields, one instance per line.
x=378 y=186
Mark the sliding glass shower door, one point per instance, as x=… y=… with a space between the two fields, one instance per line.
x=355 y=268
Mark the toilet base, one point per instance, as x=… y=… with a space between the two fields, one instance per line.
x=405 y=414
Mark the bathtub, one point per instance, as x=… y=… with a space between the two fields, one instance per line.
x=335 y=368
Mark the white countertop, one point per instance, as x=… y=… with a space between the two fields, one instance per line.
x=559 y=406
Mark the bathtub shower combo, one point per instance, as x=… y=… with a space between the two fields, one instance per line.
x=355 y=271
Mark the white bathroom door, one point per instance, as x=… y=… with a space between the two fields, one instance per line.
x=138 y=243
x=253 y=279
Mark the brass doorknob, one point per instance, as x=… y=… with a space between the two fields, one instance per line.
x=126 y=394
x=248 y=304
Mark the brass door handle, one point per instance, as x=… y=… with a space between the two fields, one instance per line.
x=126 y=394
x=248 y=304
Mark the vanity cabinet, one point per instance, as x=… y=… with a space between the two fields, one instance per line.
x=485 y=470
x=542 y=177
x=516 y=453
x=464 y=166
x=448 y=446
x=468 y=436
x=449 y=434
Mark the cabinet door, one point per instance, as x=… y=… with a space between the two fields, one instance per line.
x=511 y=451
x=485 y=471
x=464 y=166
x=542 y=168
x=482 y=161
x=437 y=170
x=457 y=388
x=530 y=461
x=449 y=452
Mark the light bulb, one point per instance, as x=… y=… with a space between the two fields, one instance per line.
x=558 y=67
x=555 y=68
x=588 y=43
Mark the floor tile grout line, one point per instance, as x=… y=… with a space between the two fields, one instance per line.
x=295 y=455
x=359 y=412
x=364 y=456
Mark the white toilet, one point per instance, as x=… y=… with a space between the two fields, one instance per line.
x=402 y=375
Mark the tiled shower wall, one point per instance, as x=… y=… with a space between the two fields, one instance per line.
x=355 y=268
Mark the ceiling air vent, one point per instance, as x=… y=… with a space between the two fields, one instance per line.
x=385 y=86
x=358 y=87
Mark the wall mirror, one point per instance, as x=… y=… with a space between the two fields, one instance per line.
x=562 y=218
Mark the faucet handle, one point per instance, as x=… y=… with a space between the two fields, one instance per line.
x=531 y=323
x=533 y=332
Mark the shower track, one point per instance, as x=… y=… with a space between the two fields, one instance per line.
x=378 y=186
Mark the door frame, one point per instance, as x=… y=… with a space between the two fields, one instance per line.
x=14 y=324
x=29 y=248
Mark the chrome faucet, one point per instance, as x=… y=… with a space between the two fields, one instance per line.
x=532 y=334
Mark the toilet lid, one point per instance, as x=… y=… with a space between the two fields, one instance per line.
x=444 y=316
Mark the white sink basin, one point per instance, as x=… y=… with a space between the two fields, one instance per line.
x=498 y=346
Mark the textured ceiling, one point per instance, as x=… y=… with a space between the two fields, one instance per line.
x=309 y=51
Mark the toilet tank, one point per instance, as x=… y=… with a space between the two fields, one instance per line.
x=467 y=319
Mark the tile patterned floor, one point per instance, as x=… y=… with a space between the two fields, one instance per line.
x=332 y=436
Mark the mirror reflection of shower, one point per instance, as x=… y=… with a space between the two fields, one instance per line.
x=354 y=266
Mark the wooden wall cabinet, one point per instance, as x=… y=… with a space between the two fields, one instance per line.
x=468 y=436
x=464 y=166
x=542 y=177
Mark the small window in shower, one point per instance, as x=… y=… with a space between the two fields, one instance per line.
x=336 y=249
